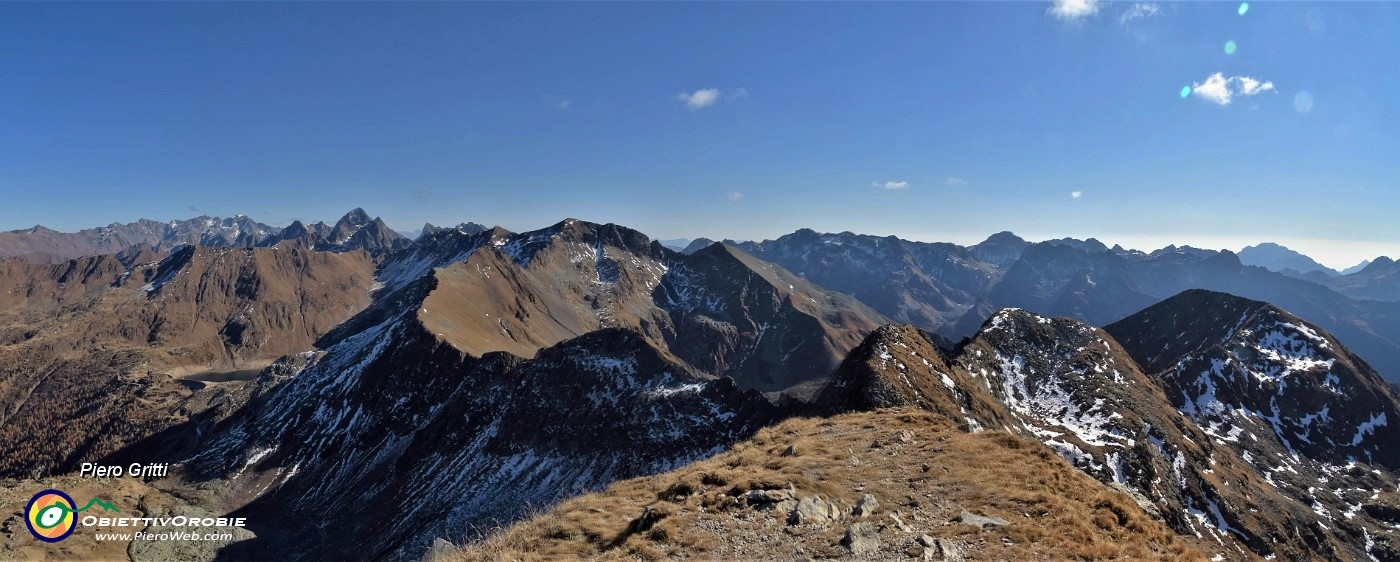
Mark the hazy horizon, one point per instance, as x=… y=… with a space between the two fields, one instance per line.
x=1215 y=125
x=1146 y=244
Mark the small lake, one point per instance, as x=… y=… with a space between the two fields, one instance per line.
x=224 y=376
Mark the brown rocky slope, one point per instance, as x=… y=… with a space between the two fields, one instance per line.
x=894 y=484
x=95 y=355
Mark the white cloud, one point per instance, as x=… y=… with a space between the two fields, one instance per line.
x=1221 y=90
x=1074 y=10
x=891 y=184
x=1140 y=10
x=735 y=196
x=1250 y=86
x=738 y=94
x=699 y=98
x=957 y=182
x=564 y=105
x=1075 y=194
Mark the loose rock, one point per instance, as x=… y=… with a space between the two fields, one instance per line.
x=900 y=523
x=813 y=510
x=970 y=518
x=767 y=496
x=866 y=506
x=862 y=538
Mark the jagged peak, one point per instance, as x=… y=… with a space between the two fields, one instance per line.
x=1018 y=323
x=1011 y=315
x=523 y=246
x=1225 y=257
x=1381 y=262
x=715 y=249
x=1002 y=238
x=497 y=231
x=356 y=216
x=1091 y=245
x=471 y=227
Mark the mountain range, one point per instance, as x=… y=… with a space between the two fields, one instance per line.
x=1275 y=257
x=451 y=388
x=950 y=290
x=356 y=230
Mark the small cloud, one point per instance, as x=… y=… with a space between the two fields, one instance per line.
x=1221 y=90
x=957 y=182
x=1075 y=194
x=1074 y=10
x=735 y=196
x=738 y=94
x=1250 y=86
x=700 y=98
x=194 y=209
x=564 y=105
x=1138 y=11
x=891 y=184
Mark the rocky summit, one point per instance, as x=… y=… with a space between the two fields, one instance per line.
x=1191 y=442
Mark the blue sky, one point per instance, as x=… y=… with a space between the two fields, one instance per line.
x=932 y=121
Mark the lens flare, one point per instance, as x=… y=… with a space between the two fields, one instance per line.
x=1230 y=47
x=1302 y=102
x=1244 y=7
x=1316 y=22
x=1185 y=91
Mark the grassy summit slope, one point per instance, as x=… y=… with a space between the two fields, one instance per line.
x=793 y=491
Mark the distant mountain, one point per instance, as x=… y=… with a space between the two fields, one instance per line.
x=1380 y=280
x=1105 y=287
x=1173 y=249
x=1278 y=258
x=925 y=284
x=696 y=245
x=677 y=244
x=1117 y=249
x=1356 y=268
x=1000 y=249
x=356 y=230
x=1063 y=280
x=1091 y=245
x=466 y=228
x=48 y=245
x=951 y=290
x=1313 y=276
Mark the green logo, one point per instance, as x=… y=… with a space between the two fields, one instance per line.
x=50 y=514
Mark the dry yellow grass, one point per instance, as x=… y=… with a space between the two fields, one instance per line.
x=697 y=512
